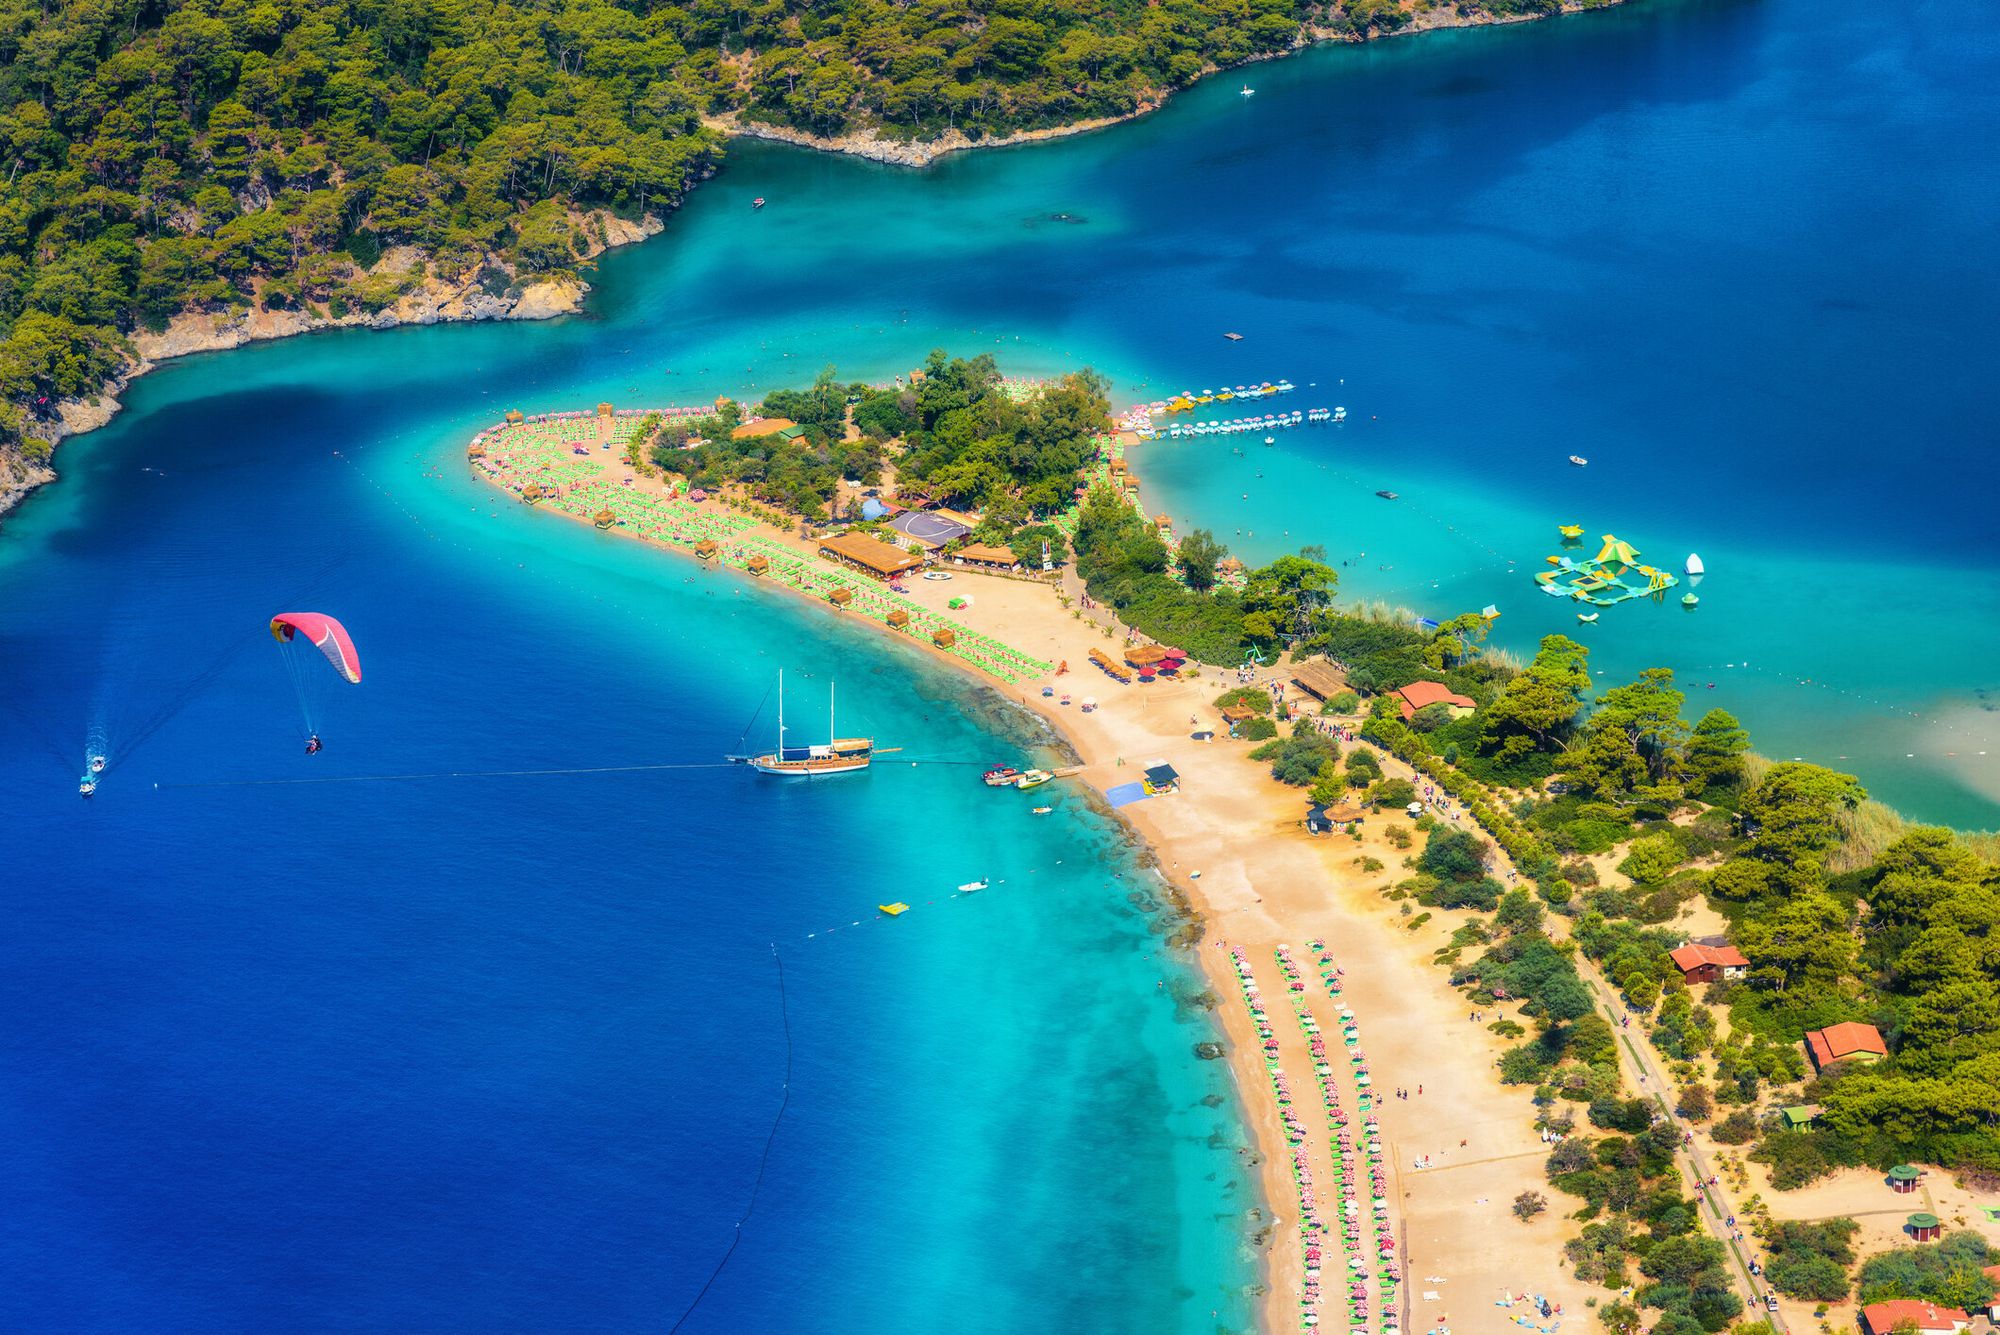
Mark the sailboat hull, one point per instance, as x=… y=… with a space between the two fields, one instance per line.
x=808 y=769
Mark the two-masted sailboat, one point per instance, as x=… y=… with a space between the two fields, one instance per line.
x=836 y=755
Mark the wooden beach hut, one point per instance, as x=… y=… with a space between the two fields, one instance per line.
x=604 y=518
x=1236 y=715
x=869 y=555
x=475 y=450
x=984 y=554
x=706 y=549
x=944 y=638
x=515 y=417
x=1924 y=1227
x=898 y=619
x=1903 y=1179
x=531 y=493
x=841 y=597
x=757 y=564
x=1145 y=655
x=1319 y=679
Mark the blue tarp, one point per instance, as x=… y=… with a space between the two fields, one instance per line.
x=1125 y=794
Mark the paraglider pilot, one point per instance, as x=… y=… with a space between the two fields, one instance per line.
x=313 y=745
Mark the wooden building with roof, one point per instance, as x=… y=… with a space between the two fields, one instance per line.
x=1319 y=679
x=871 y=555
x=986 y=554
x=1846 y=1041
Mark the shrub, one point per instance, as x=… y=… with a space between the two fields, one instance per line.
x=1256 y=729
x=1529 y=1204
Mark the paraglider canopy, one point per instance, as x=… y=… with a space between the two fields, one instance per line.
x=325 y=634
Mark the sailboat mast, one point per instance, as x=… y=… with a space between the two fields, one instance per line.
x=832 y=733
x=781 y=714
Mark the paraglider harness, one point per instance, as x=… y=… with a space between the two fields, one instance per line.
x=313 y=745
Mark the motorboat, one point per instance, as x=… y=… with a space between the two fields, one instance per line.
x=1694 y=566
x=1034 y=778
x=974 y=887
x=1000 y=776
x=86 y=788
x=1386 y=495
x=1579 y=460
x=97 y=764
x=1043 y=811
x=1248 y=91
x=757 y=203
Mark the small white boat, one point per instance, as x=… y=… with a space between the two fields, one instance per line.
x=1043 y=811
x=86 y=788
x=1248 y=91
x=1270 y=440
x=1034 y=778
x=1586 y=617
x=971 y=887
x=1579 y=460
x=97 y=764
x=1694 y=566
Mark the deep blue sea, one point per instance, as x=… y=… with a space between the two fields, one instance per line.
x=505 y=1052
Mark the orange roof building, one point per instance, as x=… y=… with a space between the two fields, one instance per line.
x=1419 y=694
x=1705 y=964
x=1928 y=1318
x=1846 y=1041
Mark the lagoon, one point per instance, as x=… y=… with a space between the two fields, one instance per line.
x=464 y=1053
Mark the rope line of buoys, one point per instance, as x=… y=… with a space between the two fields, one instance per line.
x=764 y=1161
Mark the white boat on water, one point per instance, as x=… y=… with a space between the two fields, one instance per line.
x=973 y=887
x=837 y=755
x=1248 y=91
x=1579 y=460
x=1694 y=566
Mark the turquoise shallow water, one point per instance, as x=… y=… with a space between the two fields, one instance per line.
x=460 y=1054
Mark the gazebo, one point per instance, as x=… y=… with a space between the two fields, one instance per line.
x=705 y=549
x=475 y=451
x=531 y=493
x=841 y=597
x=515 y=417
x=1145 y=655
x=899 y=619
x=1923 y=1227
x=1903 y=1179
x=944 y=638
x=604 y=518
x=757 y=565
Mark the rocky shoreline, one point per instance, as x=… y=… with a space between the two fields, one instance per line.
x=869 y=144
x=430 y=301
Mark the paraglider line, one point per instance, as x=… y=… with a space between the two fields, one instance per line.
x=441 y=774
x=763 y=1164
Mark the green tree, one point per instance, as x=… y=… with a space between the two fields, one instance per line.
x=1197 y=557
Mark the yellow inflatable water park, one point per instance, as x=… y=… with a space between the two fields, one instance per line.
x=1615 y=574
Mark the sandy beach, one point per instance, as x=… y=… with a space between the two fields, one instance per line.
x=1459 y=1147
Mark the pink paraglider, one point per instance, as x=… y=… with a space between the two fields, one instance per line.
x=323 y=633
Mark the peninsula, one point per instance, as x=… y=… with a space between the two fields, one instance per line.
x=185 y=178
x=1544 y=1006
